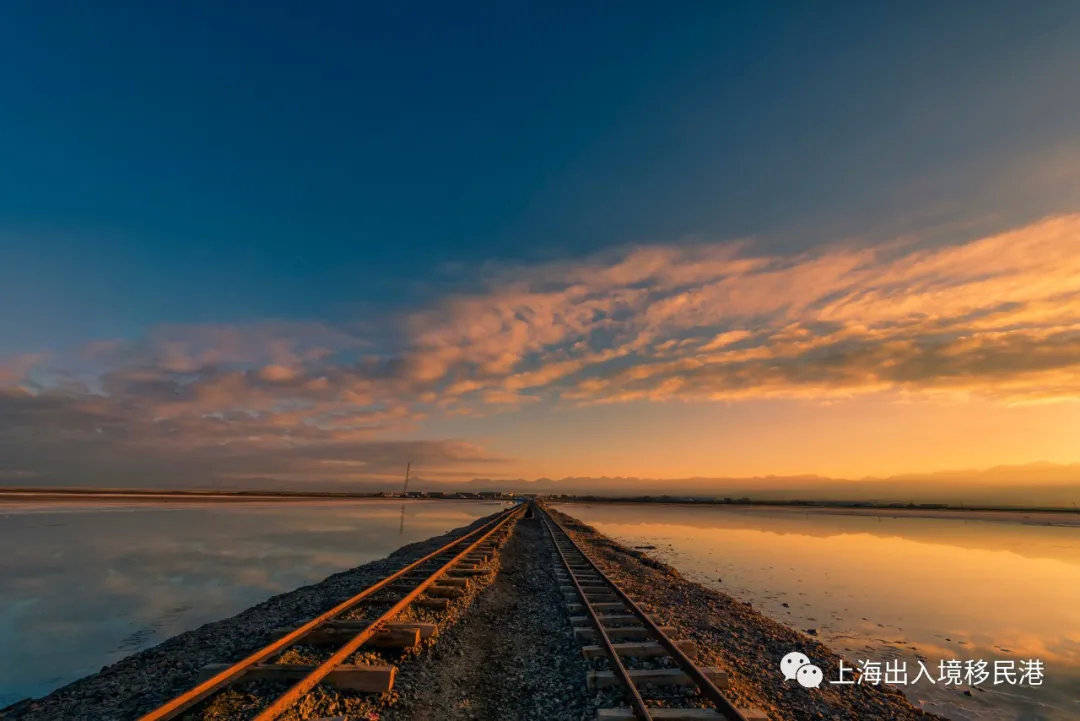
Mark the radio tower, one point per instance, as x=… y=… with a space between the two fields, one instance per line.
x=406 y=486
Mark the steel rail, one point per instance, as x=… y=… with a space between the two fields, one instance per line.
x=637 y=703
x=703 y=682
x=220 y=680
x=294 y=694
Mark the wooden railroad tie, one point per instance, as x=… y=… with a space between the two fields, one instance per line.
x=388 y=638
x=451 y=581
x=588 y=589
x=602 y=606
x=593 y=594
x=612 y=620
x=588 y=633
x=659 y=676
x=639 y=649
x=585 y=582
x=436 y=603
x=370 y=679
x=439 y=588
x=677 y=714
x=468 y=571
x=426 y=630
x=441 y=591
x=445 y=580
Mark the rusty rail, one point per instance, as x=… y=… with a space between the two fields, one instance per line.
x=703 y=683
x=636 y=702
x=235 y=672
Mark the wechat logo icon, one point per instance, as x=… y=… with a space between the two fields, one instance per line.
x=797 y=666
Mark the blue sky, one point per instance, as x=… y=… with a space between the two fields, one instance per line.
x=205 y=163
x=359 y=166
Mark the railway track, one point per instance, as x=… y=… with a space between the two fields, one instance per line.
x=656 y=672
x=375 y=618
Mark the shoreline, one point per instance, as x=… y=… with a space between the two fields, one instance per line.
x=733 y=635
x=1027 y=516
x=1045 y=515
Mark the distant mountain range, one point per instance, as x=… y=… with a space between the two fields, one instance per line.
x=1036 y=484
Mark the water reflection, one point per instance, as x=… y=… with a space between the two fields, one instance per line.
x=880 y=586
x=84 y=584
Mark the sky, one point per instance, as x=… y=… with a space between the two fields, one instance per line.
x=290 y=246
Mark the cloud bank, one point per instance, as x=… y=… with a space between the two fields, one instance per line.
x=998 y=316
x=292 y=402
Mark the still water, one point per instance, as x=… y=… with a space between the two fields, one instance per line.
x=883 y=586
x=83 y=584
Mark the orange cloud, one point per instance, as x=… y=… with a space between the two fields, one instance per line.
x=998 y=317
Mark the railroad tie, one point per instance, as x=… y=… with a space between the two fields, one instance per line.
x=659 y=676
x=617 y=633
x=613 y=619
x=426 y=630
x=441 y=591
x=451 y=581
x=369 y=679
x=593 y=594
x=388 y=638
x=434 y=603
x=678 y=714
x=639 y=649
x=603 y=606
x=591 y=581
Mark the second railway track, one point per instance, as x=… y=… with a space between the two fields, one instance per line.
x=642 y=659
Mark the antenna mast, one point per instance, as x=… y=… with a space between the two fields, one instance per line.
x=405 y=488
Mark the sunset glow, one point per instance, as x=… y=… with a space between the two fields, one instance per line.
x=843 y=361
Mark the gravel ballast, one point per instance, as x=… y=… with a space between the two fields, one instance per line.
x=512 y=656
